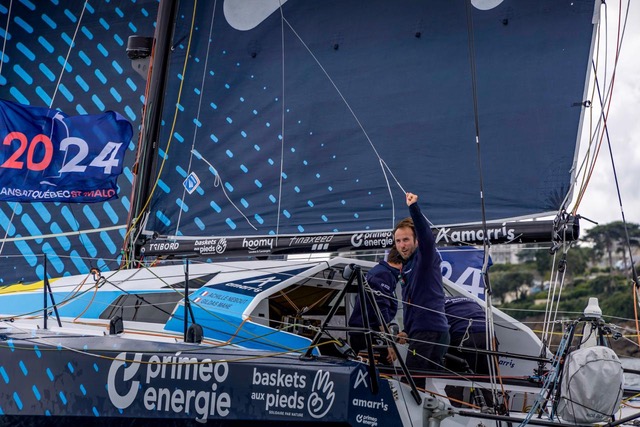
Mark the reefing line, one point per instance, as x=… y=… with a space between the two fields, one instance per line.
x=217 y=182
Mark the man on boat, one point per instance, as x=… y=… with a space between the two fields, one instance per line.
x=382 y=280
x=425 y=324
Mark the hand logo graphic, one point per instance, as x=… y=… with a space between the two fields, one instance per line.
x=322 y=395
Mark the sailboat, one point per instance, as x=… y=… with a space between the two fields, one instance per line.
x=269 y=129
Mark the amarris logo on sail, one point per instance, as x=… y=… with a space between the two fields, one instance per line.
x=182 y=385
x=460 y=236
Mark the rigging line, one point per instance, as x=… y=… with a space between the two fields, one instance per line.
x=67 y=233
x=490 y=343
x=177 y=290
x=71 y=44
x=66 y=59
x=385 y=168
x=138 y=232
x=490 y=339
x=282 y=129
x=405 y=396
x=590 y=155
x=217 y=182
x=476 y=119
x=605 y=104
x=344 y=100
x=588 y=159
x=606 y=41
x=559 y=284
x=62 y=71
x=175 y=117
x=444 y=368
x=608 y=92
x=6 y=35
x=96 y=287
x=200 y=98
x=584 y=166
x=544 y=336
x=635 y=312
x=4 y=46
x=553 y=305
x=85 y=248
x=335 y=87
x=561 y=287
x=128 y=243
x=615 y=176
x=57 y=345
x=72 y=295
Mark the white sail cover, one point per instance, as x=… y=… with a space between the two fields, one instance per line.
x=592 y=384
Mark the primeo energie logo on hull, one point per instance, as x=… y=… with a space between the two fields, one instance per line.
x=175 y=386
x=168 y=370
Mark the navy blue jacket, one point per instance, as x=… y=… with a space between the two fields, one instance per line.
x=423 y=282
x=383 y=278
x=459 y=311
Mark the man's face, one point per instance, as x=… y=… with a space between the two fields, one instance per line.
x=406 y=242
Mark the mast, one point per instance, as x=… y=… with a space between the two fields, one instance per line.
x=151 y=123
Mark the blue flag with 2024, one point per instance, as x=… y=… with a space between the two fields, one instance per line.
x=47 y=156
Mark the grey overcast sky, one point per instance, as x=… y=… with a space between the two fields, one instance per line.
x=600 y=202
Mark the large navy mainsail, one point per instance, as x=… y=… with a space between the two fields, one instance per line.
x=313 y=118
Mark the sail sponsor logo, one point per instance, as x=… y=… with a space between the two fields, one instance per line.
x=322 y=395
x=360 y=379
x=508 y=363
x=318 y=243
x=37 y=194
x=210 y=246
x=164 y=246
x=58 y=194
x=461 y=236
x=367 y=420
x=486 y=4
x=255 y=285
x=262 y=245
x=170 y=384
x=286 y=393
x=245 y=15
x=382 y=239
x=370 y=404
